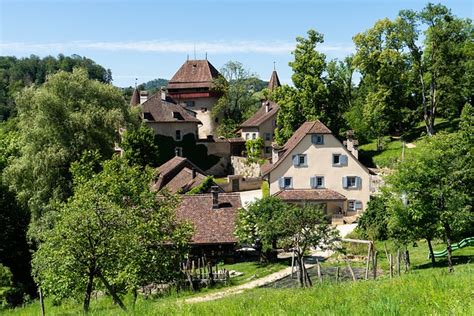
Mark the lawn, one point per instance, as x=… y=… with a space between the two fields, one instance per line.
x=421 y=292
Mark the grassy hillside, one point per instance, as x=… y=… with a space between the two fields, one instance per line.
x=392 y=146
x=422 y=292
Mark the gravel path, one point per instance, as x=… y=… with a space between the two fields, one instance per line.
x=320 y=255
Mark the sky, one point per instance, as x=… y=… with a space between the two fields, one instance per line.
x=151 y=39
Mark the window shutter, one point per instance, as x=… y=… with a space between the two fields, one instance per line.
x=295 y=160
x=305 y=159
x=281 y=183
x=322 y=182
x=312 y=182
x=358 y=182
x=344 y=182
x=343 y=160
x=291 y=183
x=322 y=140
x=358 y=205
x=314 y=138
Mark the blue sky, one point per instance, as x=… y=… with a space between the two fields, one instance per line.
x=150 y=39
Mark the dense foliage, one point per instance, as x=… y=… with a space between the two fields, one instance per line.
x=139 y=146
x=17 y=73
x=57 y=122
x=113 y=229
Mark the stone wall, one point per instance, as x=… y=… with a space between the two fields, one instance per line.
x=242 y=167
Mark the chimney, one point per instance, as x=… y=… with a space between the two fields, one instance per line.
x=194 y=173
x=164 y=93
x=215 y=197
x=267 y=107
x=143 y=96
x=351 y=143
x=276 y=152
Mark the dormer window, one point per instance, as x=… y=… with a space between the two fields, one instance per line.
x=147 y=116
x=178 y=116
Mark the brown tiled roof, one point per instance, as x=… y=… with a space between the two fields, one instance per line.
x=274 y=81
x=314 y=127
x=183 y=181
x=261 y=115
x=211 y=226
x=194 y=74
x=171 y=175
x=135 y=98
x=157 y=110
x=309 y=195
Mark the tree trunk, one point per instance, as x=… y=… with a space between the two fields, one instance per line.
x=87 y=298
x=114 y=295
x=448 y=242
x=433 y=261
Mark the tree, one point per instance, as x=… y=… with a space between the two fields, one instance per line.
x=113 y=229
x=441 y=62
x=258 y=221
x=302 y=227
x=310 y=92
x=254 y=148
x=139 y=146
x=237 y=86
x=436 y=187
x=57 y=122
x=386 y=104
x=272 y=221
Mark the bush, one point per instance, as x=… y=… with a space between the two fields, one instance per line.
x=373 y=222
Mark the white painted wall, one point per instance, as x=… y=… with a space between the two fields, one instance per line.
x=319 y=163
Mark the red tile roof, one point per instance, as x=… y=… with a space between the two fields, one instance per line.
x=314 y=127
x=274 y=81
x=172 y=176
x=211 y=226
x=261 y=115
x=194 y=74
x=292 y=195
x=157 y=110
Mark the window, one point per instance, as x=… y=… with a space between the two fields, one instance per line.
x=317 y=139
x=178 y=116
x=353 y=205
x=317 y=182
x=300 y=160
x=268 y=136
x=339 y=160
x=254 y=136
x=268 y=149
x=216 y=120
x=190 y=103
x=351 y=182
x=178 y=134
x=247 y=135
x=178 y=151
x=286 y=183
x=147 y=116
x=274 y=123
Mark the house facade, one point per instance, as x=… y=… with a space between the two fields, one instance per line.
x=191 y=86
x=169 y=119
x=263 y=123
x=314 y=166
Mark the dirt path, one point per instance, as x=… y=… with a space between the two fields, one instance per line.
x=343 y=230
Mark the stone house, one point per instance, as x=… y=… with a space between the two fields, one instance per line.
x=314 y=166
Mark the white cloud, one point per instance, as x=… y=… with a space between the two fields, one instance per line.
x=166 y=46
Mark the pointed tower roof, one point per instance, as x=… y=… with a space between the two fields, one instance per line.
x=135 y=98
x=274 y=81
x=194 y=74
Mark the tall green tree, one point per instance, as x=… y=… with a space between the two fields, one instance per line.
x=113 y=230
x=238 y=101
x=139 y=146
x=436 y=187
x=57 y=122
